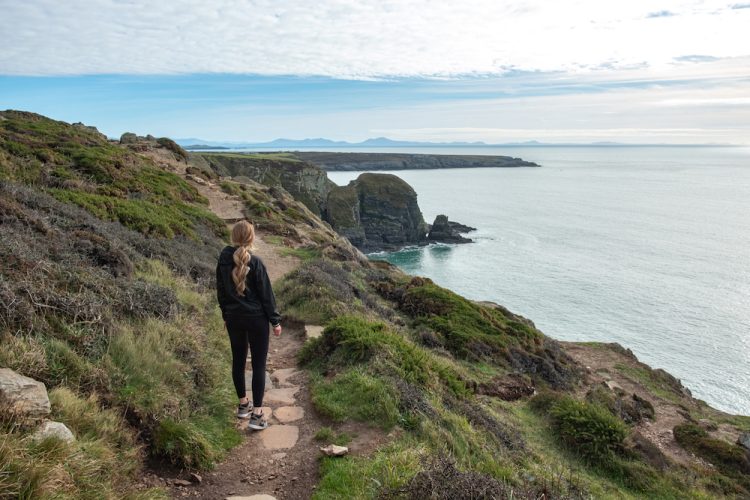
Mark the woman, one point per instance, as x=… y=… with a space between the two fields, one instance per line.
x=247 y=305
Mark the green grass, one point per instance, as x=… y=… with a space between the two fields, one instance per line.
x=469 y=330
x=286 y=157
x=356 y=395
x=326 y=435
x=656 y=384
x=389 y=469
x=304 y=253
x=161 y=220
x=731 y=459
x=97 y=465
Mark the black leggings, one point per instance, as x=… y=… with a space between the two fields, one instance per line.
x=253 y=331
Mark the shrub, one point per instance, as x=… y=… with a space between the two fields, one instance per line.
x=589 y=430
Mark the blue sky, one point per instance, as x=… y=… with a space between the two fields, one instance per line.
x=245 y=70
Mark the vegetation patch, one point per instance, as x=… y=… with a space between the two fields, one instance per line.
x=731 y=459
x=358 y=396
x=588 y=429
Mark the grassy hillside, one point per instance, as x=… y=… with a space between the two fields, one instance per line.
x=106 y=260
x=105 y=296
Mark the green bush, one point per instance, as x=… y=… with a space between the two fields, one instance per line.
x=589 y=430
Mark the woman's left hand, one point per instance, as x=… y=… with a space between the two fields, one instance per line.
x=277 y=330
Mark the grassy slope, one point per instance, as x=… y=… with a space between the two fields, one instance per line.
x=106 y=262
x=400 y=354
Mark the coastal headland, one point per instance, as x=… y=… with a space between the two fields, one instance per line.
x=114 y=360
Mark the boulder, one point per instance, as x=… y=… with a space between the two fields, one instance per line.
x=128 y=138
x=51 y=429
x=24 y=396
x=445 y=231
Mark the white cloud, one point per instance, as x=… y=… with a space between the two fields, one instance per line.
x=362 y=39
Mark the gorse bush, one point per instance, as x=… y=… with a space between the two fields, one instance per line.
x=588 y=429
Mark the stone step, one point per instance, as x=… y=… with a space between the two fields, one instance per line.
x=279 y=437
x=249 y=380
x=283 y=396
x=286 y=414
x=282 y=375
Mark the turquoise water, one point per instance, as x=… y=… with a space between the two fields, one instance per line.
x=648 y=247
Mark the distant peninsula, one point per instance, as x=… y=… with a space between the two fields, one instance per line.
x=405 y=161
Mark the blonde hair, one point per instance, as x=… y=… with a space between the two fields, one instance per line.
x=243 y=235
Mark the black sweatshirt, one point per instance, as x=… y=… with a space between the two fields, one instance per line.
x=258 y=299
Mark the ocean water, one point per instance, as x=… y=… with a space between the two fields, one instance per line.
x=648 y=247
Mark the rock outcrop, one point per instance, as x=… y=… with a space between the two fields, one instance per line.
x=306 y=182
x=445 y=231
x=376 y=212
x=25 y=400
x=23 y=396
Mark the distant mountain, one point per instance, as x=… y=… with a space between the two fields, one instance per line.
x=384 y=142
x=377 y=142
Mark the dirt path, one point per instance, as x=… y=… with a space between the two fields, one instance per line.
x=281 y=461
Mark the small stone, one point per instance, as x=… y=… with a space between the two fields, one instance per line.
x=278 y=456
x=313 y=331
x=196 y=478
x=333 y=450
x=53 y=430
x=181 y=482
x=613 y=386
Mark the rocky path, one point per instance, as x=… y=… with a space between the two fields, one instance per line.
x=281 y=461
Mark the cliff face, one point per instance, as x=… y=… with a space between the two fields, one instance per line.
x=306 y=182
x=376 y=212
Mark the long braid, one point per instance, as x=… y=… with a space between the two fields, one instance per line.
x=243 y=234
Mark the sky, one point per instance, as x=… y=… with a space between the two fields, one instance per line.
x=497 y=71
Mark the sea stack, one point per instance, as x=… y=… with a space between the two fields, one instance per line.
x=445 y=231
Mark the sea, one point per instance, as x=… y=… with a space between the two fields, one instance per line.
x=645 y=246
